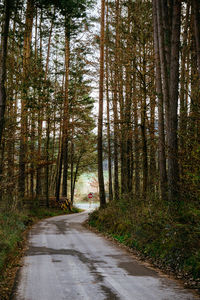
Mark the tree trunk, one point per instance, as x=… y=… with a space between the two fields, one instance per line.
x=136 y=139
x=115 y=100
x=143 y=127
x=128 y=107
x=59 y=174
x=196 y=13
x=48 y=119
x=75 y=177
x=152 y=151
x=108 y=111
x=100 y=118
x=26 y=59
x=47 y=161
x=161 y=133
x=163 y=63
x=72 y=164
x=66 y=111
x=3 y=59
x=183 y=89
x=32 y=149
x=173 y=167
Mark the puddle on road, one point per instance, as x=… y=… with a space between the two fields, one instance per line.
x=134 y=269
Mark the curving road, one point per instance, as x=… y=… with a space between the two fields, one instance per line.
x=67 y=261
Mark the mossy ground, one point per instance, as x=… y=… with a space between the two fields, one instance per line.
x=171 y=240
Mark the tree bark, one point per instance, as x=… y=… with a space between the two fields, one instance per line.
x=173 y=167
x=128 y=107
x=48 y=118
x=161 y=133
x=100 y=117
x=136 y=138
x=66 y=111
x=3 y=59
x=196 y=13
x=108 y=111
x=143 y=124
x=184 y=87
x=163 y=63
x=115 y=100
x=75 y=176
x=26 y=59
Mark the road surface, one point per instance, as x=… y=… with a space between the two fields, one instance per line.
x=67 y=261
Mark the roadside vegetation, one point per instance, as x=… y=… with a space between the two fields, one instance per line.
x=169 y=240
x=14 y=226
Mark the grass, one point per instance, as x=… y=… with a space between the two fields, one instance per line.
x=13 y=227
x=170 y=240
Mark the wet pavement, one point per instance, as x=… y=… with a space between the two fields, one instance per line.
x=67 y=261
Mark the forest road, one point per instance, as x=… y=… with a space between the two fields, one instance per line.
x=66 y=261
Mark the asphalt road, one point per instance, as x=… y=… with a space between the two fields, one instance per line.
x=67 y=261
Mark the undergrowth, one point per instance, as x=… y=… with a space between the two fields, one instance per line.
x=13 y=223
x=170 y=239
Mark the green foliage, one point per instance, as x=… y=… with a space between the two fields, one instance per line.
x=172 y=241
x=12 y=226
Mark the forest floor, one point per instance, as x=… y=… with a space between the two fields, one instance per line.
x=169 y=242
x=14 y=228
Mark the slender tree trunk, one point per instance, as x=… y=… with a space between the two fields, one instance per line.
x=75 y=176
x=3 y=59
x=47 y=161
x=173 y=167
x=59 y=161
x=72 y=161
x=163 y=62
x=136 y=139
x=26 y=59
x=128 y=108
x=143 y=127
x=152 y=151
x=2 y=154
x=122 y=126
x=100 y=118
x=66 y=111
x=33 y=125
x=11 y=111
x=39 y=185
x=165 y=7
x=161 y=133
x=144 y=148
x=38 y=176
x=32 y=149
x=108 y=111
x=196 y=10
x=59 y=174
x=183 y=88
x=48 y=119
x=115 y=100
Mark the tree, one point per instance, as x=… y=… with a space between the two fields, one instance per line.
x=3 y=59
x=24 y=129
x=100 y=118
